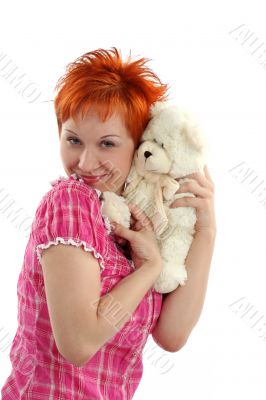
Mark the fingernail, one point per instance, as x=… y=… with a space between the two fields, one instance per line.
x=113 y=226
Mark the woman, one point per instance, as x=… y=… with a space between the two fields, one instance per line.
x=85 y=306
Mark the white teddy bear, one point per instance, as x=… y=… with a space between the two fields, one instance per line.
x=172 y=146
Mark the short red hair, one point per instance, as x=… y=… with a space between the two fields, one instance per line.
x=103 y=80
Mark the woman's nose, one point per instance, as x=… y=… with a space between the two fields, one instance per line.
x=88 y=161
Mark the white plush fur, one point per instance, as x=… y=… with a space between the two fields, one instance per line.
x=172 y=146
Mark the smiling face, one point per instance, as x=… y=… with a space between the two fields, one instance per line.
x=101 y=152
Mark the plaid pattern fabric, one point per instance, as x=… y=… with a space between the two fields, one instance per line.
x=70 y=213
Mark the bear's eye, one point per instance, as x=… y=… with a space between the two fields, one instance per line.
x=158 y=143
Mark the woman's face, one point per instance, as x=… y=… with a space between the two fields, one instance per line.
x=101 y=152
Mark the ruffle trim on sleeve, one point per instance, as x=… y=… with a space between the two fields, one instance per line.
x=107 y=222
x=76 y=243
x=60 y=178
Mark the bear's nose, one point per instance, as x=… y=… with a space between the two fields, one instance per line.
x=147 y=154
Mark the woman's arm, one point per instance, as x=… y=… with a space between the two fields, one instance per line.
x=117 y=306
x=182 y=307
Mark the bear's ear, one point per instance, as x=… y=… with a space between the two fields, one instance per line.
x=154 y=115
x=192 y=131
x=157 y=107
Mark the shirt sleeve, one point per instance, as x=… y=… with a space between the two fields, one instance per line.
x=70 y=215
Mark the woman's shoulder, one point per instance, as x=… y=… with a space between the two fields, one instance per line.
x=70 y=212
x=70 y=195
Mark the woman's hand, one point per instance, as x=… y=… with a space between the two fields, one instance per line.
x=141 y=237
x=203 y=189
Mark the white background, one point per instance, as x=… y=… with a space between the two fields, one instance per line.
x=213 y=73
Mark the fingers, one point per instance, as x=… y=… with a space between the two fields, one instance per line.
x=120 y=241
x=140 y=221
x=120 y=230
x=193 y=187
x=207 y=174
x=141 y=218
x=203 y=179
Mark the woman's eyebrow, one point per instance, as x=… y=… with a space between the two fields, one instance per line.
x=74 y=133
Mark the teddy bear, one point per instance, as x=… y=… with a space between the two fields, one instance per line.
x=171 y=147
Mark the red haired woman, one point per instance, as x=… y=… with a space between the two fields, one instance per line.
x=85 y=307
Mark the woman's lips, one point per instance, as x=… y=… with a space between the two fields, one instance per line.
x=93 y=179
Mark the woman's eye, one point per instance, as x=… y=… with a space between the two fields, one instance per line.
x=108 y=143
x=69 y=140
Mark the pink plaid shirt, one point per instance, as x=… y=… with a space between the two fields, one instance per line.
x=70 y=213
